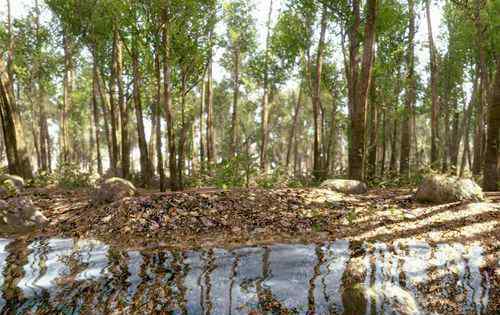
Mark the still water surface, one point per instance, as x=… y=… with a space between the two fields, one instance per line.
x=69 y=276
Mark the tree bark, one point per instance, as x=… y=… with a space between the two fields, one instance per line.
x=67 y=97
x=167 y=99
x=265 y=97
x=146 y=172
x=106 y=115
x=95 y=112
x=202 y=138
x=236 y=92
x=434 y=92
x=210 y=124
x=316 y=99
x=490 y=177
x=373 y=133
x=124 y=111
x=159 y=155
x=360 y=93
x=482 y=91
x=332 y=137
x=410 y=96
x=293 y=128
x=17 y=152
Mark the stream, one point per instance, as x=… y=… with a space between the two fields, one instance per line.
x=69 y=276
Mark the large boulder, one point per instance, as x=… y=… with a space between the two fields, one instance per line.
x=8 y=189
x=10 y=185
x=444 y=189
x=346 y=186
x=19 y=215
x=18 y=181
x=113 y=189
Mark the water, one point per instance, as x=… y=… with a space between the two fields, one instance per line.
x=66 y=276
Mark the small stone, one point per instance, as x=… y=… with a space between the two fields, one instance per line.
x=345 y=186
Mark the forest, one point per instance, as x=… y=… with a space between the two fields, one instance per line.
x=127 y=88
x=362 y=128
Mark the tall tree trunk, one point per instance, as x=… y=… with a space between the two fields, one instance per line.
x=210 y=123
x=454 y=138
x=265 y=97
x=316 y=99
x=17 y=152
x=105 y=102
x=201 y=134
x=360 y=93
x=124 y=110
x=236 y=94
x=373 y=132
x=167 y=98
x=384 y=141
x=95 y=112
x=434 y=92
x=10 y=51
x=482 y=91
x=152 y=137
x=466 y=120
x=67 y=97
x=332 y=137
x=159 y=155
x=42 y=123
x=293 y=128
x=410 y=96
x=394 y=142
x=146 y=172
x=112 y=110
x=183 y=135
x=490 y=178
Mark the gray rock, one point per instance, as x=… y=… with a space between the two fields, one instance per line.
x=113 y=189
x=444 y=189
x=17 y=180
x=19 y=215
x=346 y=186
x=8 y=189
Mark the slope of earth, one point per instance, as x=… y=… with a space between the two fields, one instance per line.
x=250 y=216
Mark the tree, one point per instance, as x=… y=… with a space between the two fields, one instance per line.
x=359 y=83
x=492 y=144
x=410 y=95
x=17 y=153
x=434 y=90
x=240 y=41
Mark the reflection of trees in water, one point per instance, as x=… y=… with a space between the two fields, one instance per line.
x=13 y=271
x=61 y=275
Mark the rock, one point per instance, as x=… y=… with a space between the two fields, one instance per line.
x=8 y=189
x=19 y=215
x=113 y=189
x=17 y=180
x=346 y=186
x=444 y=189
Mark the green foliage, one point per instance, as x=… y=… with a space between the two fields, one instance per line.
x=43 y=179
x=235 y=172
x=71 y=176
x=68 y=176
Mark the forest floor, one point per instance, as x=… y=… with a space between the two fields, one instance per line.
x=205 y=218
x=229 y=218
